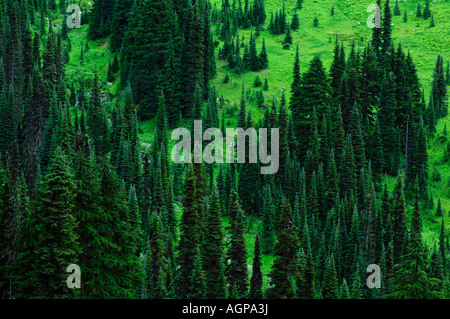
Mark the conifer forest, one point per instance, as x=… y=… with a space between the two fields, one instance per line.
x=96 y=203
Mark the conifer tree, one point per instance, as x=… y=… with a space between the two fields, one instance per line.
x=397 y=9
x=419 y=11
x=295 y=22
x=330 y=288
x=237 y=272
x=386 y=35
x=56 y=244
x=189 y=235
x=213 y=248
x=411 y=280
x=284 y=272
x=124 y=245
x=256 y=281
x=197 y=281
x=268 y=216
x=157 y=288
x=427 y=11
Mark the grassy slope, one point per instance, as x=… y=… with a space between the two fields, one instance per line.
x=415 y=35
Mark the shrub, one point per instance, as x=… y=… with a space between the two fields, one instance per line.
x=257 y=82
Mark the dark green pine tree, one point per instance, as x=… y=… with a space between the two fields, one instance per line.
x=357 y=138
x=157 y=288
x=120 y=19
x=306 y=289
x=397 y=9
x=330 y=281
x=56 y=244
x=387 y=129
x=121 y=226
x=419 y=11
x=376 y=36
x=411 y=280
x=256 y=281
x=399 y=220
x=213 y=249
x=314 y=90
x=189 y=235
x=94 y=237
x=337 y=69
x=197 y=280
x=263 y=56
x=193 y=59
x=97 y=121
x=332 y=183
x=8 y=122
x=386 y=35
x=284 y=272
x=442 y=246
x=268 y=235
x=295 y=24
x=427 y=11
x=295 y=87
x=100 y=19
x=376 y=155
x=432 y=22
x=288 y=37
x=237 y=273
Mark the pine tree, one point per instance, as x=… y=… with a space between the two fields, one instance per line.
x=411 y=280
x=237 y=272
x=419 y=11
x=295 y=22
x=263 y=56
x=56 y=244
x=268 y=216
x=197 y=280
x=386 y=35
x=316 y=22
x=427 y=11
x=397 y=9
x=288 y=37
x=330 y=288
x=120 y=19
x=256 y=281
x=124 y=246
x=157 y=288
x=189 y=234
x=285 y=268
x=399 y=216
x=213 y=248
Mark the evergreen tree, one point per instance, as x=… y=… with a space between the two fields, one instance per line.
x=213 y=248
x=237 y=272
x=330 y=288
x=285 y=268
x=427 y=11
x=295 y=22
x=256 y=281
x=56 y=244
x=397 y=9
